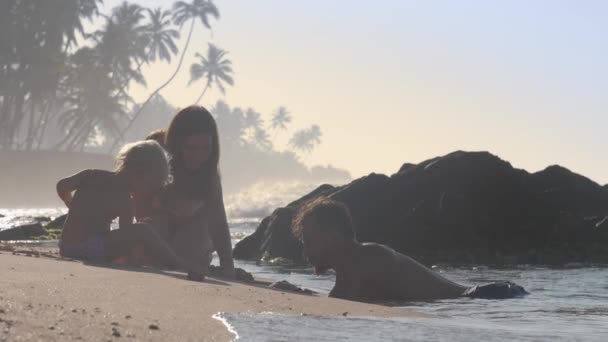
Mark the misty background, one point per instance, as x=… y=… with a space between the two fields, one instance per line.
x=317 y=91
x=67 y=73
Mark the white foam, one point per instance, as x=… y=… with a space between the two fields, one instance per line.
x=231 y=329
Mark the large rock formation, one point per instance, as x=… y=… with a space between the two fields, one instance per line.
x=463 y=207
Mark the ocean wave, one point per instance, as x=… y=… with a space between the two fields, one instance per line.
x=261 y=199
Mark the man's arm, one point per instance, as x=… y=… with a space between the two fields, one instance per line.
x=67 y=185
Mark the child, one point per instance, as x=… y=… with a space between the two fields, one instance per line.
x=101 y=196
x=371 y=271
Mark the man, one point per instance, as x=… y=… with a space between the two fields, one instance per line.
x=371 y=271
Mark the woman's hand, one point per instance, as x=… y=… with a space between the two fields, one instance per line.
x=228 y=272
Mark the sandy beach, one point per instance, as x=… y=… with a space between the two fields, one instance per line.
x=54 y=300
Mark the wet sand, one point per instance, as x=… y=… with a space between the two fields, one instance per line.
x=54 y=300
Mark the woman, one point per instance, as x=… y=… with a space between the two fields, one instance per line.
x=197 y=217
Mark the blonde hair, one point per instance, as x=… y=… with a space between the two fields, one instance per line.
x=142 y=156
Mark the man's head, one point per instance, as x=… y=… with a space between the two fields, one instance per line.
x=325 y=227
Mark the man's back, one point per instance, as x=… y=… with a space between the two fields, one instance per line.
x=379 y=273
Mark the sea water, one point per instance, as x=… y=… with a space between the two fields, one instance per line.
x=566 y=304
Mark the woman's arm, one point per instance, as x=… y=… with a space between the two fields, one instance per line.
x=218 y=229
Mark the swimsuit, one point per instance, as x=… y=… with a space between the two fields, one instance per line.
x=91 y=249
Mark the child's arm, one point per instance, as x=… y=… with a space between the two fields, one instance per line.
x=67 y=185
x=127 y=214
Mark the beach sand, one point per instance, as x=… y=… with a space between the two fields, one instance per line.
x=54 y=300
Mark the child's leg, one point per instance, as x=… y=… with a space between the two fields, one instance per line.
x=120 y=242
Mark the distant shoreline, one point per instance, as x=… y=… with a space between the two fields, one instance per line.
x=28 y=178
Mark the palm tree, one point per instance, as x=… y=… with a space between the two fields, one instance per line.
x=121 y=42
x=214 y=68
x=92 y=101
x=183 y=11
x=161 y=36
x=262 y=139
x=252 y=119
x=315 y=134
x=306 y=140
x=280 y=119
x=35 y=38
x=231 y=122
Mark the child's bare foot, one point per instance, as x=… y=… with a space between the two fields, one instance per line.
x=196 y=276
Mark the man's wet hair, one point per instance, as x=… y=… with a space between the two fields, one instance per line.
x=327 y=214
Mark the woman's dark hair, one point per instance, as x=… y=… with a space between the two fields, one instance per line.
x=190 y=121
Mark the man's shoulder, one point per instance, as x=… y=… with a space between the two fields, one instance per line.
x=378 y=252
x=374 y=247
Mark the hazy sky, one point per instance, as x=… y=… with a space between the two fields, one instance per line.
x=403 y=81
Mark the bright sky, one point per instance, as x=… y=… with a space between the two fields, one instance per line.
x=403 y=81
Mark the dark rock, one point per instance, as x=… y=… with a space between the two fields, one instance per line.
x=42 y=219
x=284 y=285
x=153 y=327
x=250 y=247
x=465 y=207
x=57 y=223
x=23 y=232
x=406 y=167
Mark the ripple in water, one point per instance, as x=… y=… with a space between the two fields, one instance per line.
x=277 y=327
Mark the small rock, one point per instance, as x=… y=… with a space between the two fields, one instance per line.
x=23 y=232
x=56 y=223
x=128 y=316
x=115 y=332
x=345 y=314
x=114 y=324
x=51 y=327
x=153 y=327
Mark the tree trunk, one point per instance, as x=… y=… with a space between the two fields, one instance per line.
x=120 y=138
x=200 y=97
x=29 y=139
x=45 y=116
x=13 y=128
x=5 y=120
